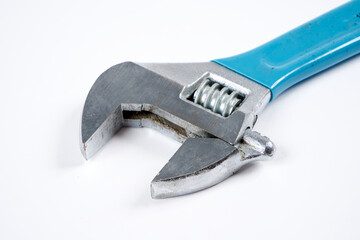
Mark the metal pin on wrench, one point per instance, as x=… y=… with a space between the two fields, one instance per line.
x=212 y=107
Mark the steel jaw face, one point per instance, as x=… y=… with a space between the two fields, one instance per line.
x=207 y=107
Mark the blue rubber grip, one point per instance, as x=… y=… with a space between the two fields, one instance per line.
x=302 y=52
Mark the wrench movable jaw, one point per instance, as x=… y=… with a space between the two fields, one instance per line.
x=159 y=96
x=201 y=163
x=198 y=164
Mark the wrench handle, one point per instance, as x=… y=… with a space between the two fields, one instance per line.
x=302 y=52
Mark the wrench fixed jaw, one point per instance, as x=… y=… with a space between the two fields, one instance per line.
x=159 y=96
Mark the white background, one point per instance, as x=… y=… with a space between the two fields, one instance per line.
x=51 y=52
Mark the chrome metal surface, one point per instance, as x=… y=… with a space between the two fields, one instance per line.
x=216 y=97
x=189 y=75
x=157 y=96
x=216 y=160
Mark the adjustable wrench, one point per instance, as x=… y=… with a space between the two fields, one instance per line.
x=212 y=107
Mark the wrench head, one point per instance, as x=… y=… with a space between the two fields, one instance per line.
x=160 y=96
